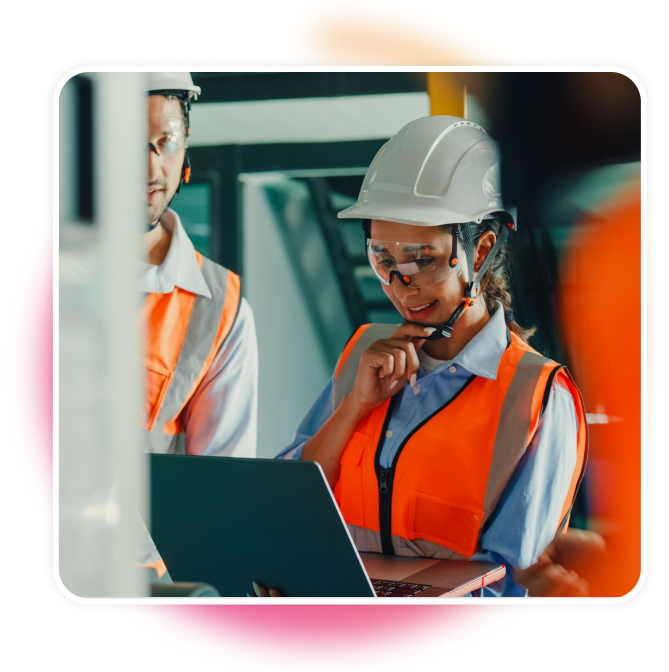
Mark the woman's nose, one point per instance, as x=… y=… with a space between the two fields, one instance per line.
x=401 y=290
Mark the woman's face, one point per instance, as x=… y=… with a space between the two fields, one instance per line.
x=432 y=304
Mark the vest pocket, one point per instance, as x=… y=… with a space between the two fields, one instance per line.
x=444 y=522
x=350 y=480
x=157 y=381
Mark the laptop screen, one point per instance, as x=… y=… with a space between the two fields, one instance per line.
x=230 y=521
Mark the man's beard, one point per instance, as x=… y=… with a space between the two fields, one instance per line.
x=157 y=209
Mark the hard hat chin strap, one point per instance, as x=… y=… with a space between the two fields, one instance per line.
x=472 y=288
x=442 y=330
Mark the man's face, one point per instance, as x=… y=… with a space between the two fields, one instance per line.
x=166 y=134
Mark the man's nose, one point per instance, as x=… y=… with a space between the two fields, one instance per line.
x=155 y=164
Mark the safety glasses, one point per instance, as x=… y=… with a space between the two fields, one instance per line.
x=167 y=135
x=414 y=264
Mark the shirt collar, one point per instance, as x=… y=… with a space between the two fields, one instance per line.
x=482 y=355
x=180 y=267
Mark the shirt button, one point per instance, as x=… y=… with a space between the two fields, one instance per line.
x=416 y=389
x=389 y=434
x=452 y=369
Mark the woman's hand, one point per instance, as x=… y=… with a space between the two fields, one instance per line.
x=260 y=591
x=562 y=568
x=387 y=365
x=384 y=368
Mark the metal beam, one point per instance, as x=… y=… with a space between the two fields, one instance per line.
x=330 y=227
x=219 y=87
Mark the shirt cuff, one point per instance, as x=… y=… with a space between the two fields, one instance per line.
x=293 y=453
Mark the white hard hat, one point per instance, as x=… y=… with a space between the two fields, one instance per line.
x=436 y=170
x=172 y=81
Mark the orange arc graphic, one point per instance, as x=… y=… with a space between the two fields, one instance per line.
x=387 y=32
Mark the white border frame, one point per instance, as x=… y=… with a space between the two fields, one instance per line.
x=486 y=601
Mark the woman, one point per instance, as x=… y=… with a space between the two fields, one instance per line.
x=447 y=436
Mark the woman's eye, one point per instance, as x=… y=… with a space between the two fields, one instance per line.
x=424 y=262
x=386 y=263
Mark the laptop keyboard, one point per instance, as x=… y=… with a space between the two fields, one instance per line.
x=397 y=588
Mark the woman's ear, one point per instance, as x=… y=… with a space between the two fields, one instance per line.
x=486 y=241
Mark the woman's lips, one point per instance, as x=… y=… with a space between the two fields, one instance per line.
x=425 y=311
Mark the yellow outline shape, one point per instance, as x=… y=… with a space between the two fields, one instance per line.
x=287 y=33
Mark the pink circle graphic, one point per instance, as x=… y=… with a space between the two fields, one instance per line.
x=281 y=637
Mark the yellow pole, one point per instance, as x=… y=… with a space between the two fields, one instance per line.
x=447 y=94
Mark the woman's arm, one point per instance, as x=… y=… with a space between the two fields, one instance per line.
x=328 y=444
x=528 y=513
x=384 y=369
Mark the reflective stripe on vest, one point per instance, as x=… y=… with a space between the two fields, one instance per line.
x=184 y=331
x=449 y=474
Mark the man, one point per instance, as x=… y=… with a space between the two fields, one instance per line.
x=200 y=352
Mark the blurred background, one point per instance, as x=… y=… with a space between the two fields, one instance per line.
x=275 y=155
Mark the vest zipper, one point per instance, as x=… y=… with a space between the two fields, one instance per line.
x=383 y=484
x=386 y=477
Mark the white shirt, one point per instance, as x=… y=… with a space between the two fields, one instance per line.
x=221 y=417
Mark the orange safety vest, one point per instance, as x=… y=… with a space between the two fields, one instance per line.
x=449 y=474
x=184 y=331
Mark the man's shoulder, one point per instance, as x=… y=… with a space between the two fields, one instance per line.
x=219 y=279
x=211 y=264
x=228 y=282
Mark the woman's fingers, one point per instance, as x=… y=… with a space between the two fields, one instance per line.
x=398 y=365
x=385 y=368
x=406 y=331
x=259 y=590
x=387 y=365
x=576 y=547
x=263 y=592
x=582 y=551
x=413 y=333
x=568 y=583
x=404 y=353
x=382 y=361
x=551 y=581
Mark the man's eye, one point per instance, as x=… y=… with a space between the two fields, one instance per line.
x=168 y=144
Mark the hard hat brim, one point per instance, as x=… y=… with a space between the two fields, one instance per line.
x=172 y=81
x=418 y=216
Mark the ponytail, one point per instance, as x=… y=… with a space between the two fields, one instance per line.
x=494 y=288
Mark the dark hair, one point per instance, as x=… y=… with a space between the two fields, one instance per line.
x=184 y=107
x=494 y=284
x=184 y=102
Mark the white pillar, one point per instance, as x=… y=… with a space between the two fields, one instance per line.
x=102 y=477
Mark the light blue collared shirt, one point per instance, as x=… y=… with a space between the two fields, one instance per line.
x=528 y=514
x=221 y=417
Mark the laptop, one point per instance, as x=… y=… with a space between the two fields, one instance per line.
x=230 y=521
